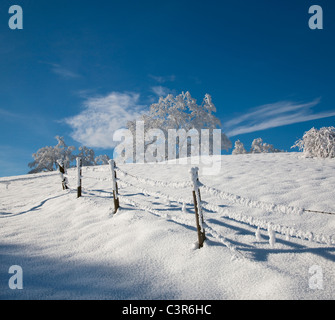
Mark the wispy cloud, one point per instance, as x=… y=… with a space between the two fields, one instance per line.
x=163 y=79
x=61 y=70
x=22 y=118
x=102 y=116
x=161 y=91
x=31 y=123
x=7 y=115
x=274 y=115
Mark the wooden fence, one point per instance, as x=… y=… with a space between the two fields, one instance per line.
x=194 y=186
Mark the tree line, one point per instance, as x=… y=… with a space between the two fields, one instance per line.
x=45 y=159
x=180 y=112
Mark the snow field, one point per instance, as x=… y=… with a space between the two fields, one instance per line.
x=76 y=248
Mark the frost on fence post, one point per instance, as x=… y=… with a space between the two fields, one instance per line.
x=272 y=235
x=197 y=207
x=78 y=177
x=61 y=173
x=115 y=187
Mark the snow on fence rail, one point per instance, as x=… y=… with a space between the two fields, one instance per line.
x=199 y=204
x=155 y=183
x=251 y=203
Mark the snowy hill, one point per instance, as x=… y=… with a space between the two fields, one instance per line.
x=71 y=248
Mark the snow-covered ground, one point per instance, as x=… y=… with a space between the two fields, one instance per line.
x=72 y=248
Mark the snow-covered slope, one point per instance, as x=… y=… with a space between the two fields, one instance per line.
x=72 y=248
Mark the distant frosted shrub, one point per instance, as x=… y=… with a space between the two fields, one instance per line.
x=239 y=148
x=318 y=143
x=258 y=146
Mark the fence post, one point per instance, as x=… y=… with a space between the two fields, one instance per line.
x=78 y=176
x=197 y=207
x=115 y=187
x=61 y=173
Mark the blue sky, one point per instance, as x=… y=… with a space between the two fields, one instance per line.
x=79 y=69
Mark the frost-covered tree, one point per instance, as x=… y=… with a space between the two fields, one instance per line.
x=87 y=156
x=64 y=152
x=239 y=148
x=183 y=114
x=45 y=159
x=318 y=143
x=258 y=146
x=102 y=159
